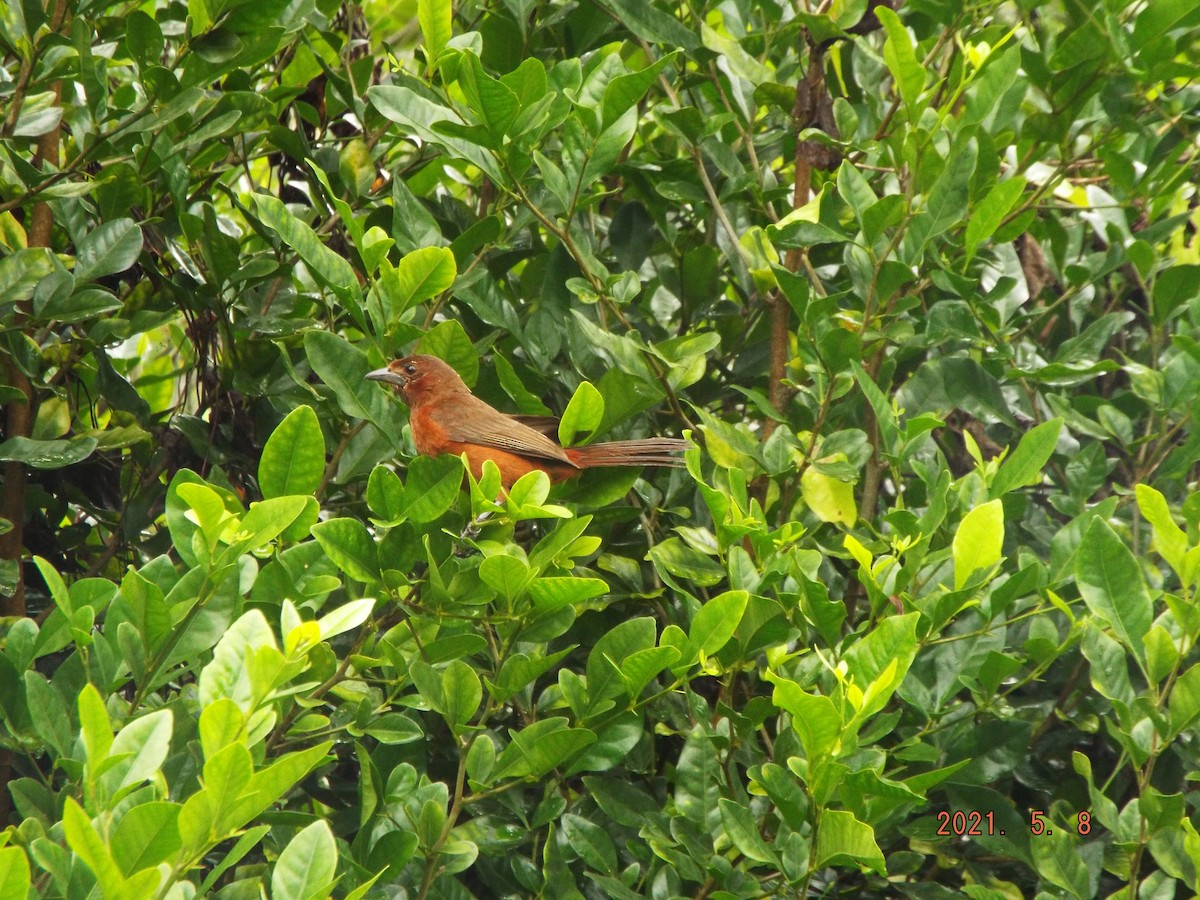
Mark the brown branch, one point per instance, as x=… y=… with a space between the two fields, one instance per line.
x=813 y=108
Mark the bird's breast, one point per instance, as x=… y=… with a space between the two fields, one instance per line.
x=428 y=435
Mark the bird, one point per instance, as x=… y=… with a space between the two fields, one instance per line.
x=445 y=417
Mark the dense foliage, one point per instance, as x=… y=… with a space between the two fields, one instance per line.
x=917 y=618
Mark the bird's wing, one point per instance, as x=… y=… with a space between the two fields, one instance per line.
x=547 y=425
x=471 y=421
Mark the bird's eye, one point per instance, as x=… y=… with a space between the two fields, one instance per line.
x=410 y=369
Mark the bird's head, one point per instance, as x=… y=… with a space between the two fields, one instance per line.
x=418 y=376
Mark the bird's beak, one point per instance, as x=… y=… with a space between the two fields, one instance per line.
x=386 y=375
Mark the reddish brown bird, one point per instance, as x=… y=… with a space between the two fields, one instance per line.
x=445 y=417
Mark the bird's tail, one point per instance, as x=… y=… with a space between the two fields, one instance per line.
x=647 y=452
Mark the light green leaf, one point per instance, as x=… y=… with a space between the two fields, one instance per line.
x=146 y=741
x=506 y=575
x=85 y=840
x=551 y=592
x=431 y=486
x=307 y=865
x=490 y=99
x=395 y=728
x=715 y=623
x=978 y=542
x=148 y=834
x=844 y=839
x=346 y=617
x=583 y=414
x=1169 y=539
x=831 y=499
x=1025 y=466
x=742 y=828
x=95 y=726
x=435 y=19
x=14 y=874
x=901 y=58
x=422 y=274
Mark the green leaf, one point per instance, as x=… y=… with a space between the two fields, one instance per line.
x=307 y=865
x=405 y=106
x=265 y=521
x=676 y=558
x=591 y=843
x=978 y=542
x=715 y=623
x=323 y=263
x=494 y=102
x=815 y=718
x=1057 y=859
x=110 y=248
x=449 y=343
x=48 y=711
x=86 y=303
x=231 y=672
x=385 y=494
x=431 y=486
x=343 y=367
x=551 y=592
x=435 y=18
x=583 y=414
x=14 y=874
x=901 y=58
x=1169 y=539
x=461 y=693
x=842 y=838
x=148 y=834
x=345 y=618
x=144 y=743
x=740 y=825
x=244 y=845
x=83 y=838
x=422 y=274
x=47 y=454
x=1024 y=467
x=293 y=459
x=540 y=747
x=22 y=272
x=991 y=212
x=603 y=673
x=94 y=726
x=625 y=91
x=651 y=24
x=347 y=542
x=831 y=499
x=221 y=724
x=1112 y=586
x=396 y=728
x=506 y=575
